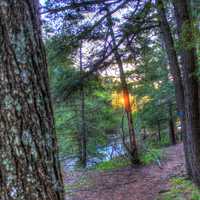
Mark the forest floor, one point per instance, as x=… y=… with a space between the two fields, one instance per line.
x=131 y=183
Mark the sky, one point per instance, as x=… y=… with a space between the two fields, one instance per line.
x=42 y=2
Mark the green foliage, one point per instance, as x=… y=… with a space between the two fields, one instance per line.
x=164 y=139
x=190 y=35
x=181 y=188
x=154 y=143
x=156 y=86
x=100 y=118
x=151 y=155
x=152 y=151
x=58 y=50
x=67 y=137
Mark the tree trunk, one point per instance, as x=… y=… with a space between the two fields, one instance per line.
x=126 y=96
x=83 y=146
x=29 y=165
x=191 y=84
x=176 y=74
x=172 y=135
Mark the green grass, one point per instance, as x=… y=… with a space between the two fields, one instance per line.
x=146 y=158
x=181 y=189
x=113 y=164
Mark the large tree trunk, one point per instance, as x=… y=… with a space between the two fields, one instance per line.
x=191 y=84
x=132 y=150
x=176 y=74
x=29 y=166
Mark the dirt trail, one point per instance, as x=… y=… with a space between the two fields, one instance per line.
x=142 y=183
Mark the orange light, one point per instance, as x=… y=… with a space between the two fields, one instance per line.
x=124 y=100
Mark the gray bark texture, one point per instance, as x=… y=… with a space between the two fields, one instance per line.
x=29 y=166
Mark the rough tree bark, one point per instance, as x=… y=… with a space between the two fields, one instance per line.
x=133 y=152
x=176 y=74
x=29 y=166
x=190 y=83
